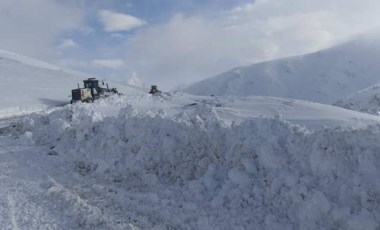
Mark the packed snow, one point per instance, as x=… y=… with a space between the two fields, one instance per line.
x=31 y=85
x=325 y=76
x=174 y=161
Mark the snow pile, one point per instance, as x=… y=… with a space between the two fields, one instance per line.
x=325 y=76
x=366 y=100
x=203 y=173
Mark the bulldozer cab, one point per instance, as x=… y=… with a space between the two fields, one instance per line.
x=91 y=83
x=154 y=90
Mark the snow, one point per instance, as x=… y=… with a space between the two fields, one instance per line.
x=27 y=60
x=366 y=100
x=175 y=161
x=29 y=85
x=179 y=161
x=309 y=114
x=325 y=76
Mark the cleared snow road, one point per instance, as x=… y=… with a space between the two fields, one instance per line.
x=5 y=122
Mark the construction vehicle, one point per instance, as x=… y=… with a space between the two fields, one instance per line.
x=91 y=91
x=154 y=90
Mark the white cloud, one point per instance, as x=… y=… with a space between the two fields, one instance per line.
x=108 y=63
x=68 y=43
x=85 y=30
x=114 y=22
x=191 y=48
x=118 y=35
x=32 y=27
x=135 y=80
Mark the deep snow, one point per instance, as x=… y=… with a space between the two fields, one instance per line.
x=325 y=76
x=186 y=162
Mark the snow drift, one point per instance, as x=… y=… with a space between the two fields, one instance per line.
x=204 y=173
x=325 y=76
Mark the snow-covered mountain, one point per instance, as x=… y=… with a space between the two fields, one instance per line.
x=179 y=161
x=325 y=76
x=366 y=100
x=28 y=84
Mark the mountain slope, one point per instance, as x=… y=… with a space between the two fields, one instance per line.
x=366 y=100
x=28 y=84
x=324 y=76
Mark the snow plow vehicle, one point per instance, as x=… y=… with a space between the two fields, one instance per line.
x=91 y=91
x=154 y=90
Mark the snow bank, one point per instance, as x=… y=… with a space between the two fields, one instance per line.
x=256 y=174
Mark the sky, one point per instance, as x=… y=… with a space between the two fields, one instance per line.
x=174 y=43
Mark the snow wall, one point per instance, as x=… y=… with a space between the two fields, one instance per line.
x=258 y=174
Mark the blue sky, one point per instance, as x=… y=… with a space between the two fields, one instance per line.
x=176 y=42
x=154 y=12
x=94 y=44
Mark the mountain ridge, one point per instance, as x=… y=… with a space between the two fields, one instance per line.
x=323 y=76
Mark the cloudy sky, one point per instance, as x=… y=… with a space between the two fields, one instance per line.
x=176 y=42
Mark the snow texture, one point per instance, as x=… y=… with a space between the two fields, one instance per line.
x=207 y=163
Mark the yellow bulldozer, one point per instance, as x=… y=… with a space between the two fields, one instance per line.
x=91 y=91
